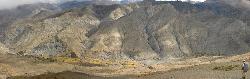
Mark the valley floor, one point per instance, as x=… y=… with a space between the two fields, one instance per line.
x=13 y=67
x=230 y=70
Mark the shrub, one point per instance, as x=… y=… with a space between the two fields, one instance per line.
x=129 y=64
x=68 y=60
x=225 y=68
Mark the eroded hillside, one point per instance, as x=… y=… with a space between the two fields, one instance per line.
x=144 y=31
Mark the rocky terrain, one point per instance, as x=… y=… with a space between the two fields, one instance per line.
x=197 y=68
x=129 y=35
x=140 y=31
x=9 y=16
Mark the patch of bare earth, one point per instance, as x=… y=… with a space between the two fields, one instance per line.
x=195 y=68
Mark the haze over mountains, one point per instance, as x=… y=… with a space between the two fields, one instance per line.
x=140 y=31
x=11 y=11
x=10 y=4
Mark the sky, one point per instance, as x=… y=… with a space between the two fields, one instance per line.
x=182 y=0
x=6 y=4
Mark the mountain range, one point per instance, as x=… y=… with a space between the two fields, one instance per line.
x=143 y=31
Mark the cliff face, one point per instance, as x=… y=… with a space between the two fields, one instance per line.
x=140 y=31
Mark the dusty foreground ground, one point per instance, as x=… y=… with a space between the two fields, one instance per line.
x=12 y=67
x=225 y=71
x=229 y=70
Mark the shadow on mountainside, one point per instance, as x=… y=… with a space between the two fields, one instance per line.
x=69 y=75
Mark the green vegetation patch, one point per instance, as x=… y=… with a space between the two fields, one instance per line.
x=226 y=68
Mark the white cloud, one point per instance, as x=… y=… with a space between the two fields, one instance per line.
x=6 y=4
x=235 y=3
x=183 y=0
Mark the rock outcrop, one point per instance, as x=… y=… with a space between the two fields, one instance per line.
x=3 y=49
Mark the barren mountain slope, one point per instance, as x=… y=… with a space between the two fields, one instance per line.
x=28 y=10
x=64 y=34
x=139 y=31
x=127 y=39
